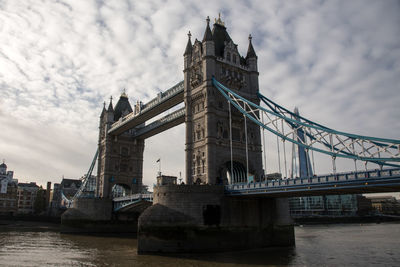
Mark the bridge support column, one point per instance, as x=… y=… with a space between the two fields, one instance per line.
x=200 y=218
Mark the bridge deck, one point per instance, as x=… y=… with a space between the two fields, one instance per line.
x=345 y=183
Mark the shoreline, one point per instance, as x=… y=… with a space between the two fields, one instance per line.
x=345 y=220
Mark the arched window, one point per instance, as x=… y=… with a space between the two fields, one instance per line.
x=228 y=56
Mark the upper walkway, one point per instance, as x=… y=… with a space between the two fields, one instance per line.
x=171 y=120
x=163 y=101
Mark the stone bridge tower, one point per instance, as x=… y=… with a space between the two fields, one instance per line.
x=120 y=159
x=207 y=116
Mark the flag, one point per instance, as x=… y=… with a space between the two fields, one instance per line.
x=158 y=160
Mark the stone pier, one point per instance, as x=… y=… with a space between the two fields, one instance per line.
x=199 y=218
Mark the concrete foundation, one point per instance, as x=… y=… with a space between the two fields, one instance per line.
x=95 y=216
x=199 y=218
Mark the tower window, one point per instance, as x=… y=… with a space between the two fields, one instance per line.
x=234 y=58
x=124 y=151
x=235 y=134
x=228 y=56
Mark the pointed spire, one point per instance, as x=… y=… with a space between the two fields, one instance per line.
x=207 y=34
x=250 y=51
x=124 y=94
x=188 y=49
x=110 y=106
x=103 y=110
x=219 y=21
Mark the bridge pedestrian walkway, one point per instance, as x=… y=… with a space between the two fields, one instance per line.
x=163 y=101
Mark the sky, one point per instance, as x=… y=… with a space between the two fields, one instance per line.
x=337 y=61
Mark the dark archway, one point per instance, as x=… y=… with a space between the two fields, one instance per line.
x=120 y=190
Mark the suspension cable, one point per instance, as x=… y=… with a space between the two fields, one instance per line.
x=279 y=156
x=355 y=161
x=284 y=150
x=264 y=147
x=313 y=162
x=247 y=150
x=308 y=164
x=293 y=158
x=333 y=157
x=230 y=133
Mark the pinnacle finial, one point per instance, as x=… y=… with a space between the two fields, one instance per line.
x=208 y=20
x=124 y=93
x=250 y=37
x=104 y=104
x=219 y=21
x=189 y=35
x=110 y=98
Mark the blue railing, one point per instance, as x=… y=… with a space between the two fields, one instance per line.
x=331 y=179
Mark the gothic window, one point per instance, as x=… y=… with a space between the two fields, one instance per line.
x=225 y=135
x=228 y=56
x=203 y=167
x=235 y=134
x=220 y=105
x=124 y=167
x=124 y=151
x=234 y=58
x=202 y=105
x=198 y=135
x=202 y=133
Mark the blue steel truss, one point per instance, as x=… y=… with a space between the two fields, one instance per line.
x=84 y=184
x=287 y=125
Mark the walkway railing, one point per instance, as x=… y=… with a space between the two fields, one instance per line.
x=292 y=184
x=121 y=202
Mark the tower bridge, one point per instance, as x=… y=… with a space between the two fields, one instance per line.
x=225 y=162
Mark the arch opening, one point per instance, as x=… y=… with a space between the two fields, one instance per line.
x=120 y=190
x=238 y=174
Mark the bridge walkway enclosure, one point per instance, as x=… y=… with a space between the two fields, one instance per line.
x=164 y=101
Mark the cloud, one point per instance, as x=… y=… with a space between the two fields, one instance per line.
x=337 y=61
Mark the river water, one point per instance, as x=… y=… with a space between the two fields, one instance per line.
x=322 y=245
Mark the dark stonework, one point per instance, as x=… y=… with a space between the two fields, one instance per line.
x=199 y=218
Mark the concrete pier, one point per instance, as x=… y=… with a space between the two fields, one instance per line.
x=199 y=218
x=95 y=215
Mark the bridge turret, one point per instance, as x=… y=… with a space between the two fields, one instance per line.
x=251 y=57
x=188 y=52
x=110 y=112
x=208 y=42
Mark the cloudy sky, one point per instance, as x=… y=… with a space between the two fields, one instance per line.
x=338 y=61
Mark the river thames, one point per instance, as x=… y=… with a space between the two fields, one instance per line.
x=317 y=245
